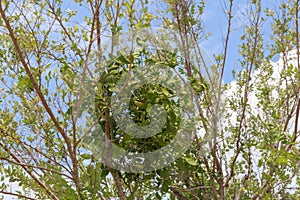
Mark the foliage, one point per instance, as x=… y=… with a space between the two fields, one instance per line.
x=247 y=141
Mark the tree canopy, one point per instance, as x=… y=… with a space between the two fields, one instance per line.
x=119 y=100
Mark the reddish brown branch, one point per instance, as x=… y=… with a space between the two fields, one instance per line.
x=29 y=73
x=36 y=179
x=16 y=195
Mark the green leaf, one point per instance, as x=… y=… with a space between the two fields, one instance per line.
x=191 y=161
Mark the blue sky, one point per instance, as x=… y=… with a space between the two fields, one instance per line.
x=215 y=23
